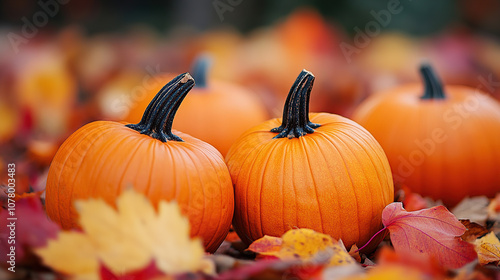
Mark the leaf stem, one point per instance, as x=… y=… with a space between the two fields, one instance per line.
x=371 y=239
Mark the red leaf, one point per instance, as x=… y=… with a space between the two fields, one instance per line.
x=434 y=232
x=413 y=201
x=149 y=272
x=264 y=269
x=32 y=228
x=386 y=256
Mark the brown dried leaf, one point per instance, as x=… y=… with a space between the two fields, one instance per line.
x=474 y=209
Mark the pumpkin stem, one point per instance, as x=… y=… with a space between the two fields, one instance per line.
x=159 y=115
x=295 y=122
x=200 y=69
x=433 y=86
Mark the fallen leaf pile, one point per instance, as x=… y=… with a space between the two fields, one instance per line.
x=136 y=241
x=305 y=245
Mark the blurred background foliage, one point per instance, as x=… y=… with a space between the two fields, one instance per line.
x=76 y=64
x=422 y=17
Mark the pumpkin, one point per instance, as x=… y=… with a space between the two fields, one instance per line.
x=319 y=171
x=103 y=158
x=217 y=112
x=442 y=142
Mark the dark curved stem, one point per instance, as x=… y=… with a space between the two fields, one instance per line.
x=159 y=115
x=153 y=106
x=433 y=87
x=295 y=122
x=200 y=69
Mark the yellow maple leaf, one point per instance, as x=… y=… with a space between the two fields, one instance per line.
x=72 y=253
x=306 y=245
x=488 y=249
x=126 y=238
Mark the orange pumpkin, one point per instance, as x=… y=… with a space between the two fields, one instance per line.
x=103 y=158
x=217 y=112
x=319 y=171
x=440 y=142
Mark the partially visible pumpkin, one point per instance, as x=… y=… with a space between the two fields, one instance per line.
x=216 y=111
x=442 y=142
x=319 y=171
x=103 y=158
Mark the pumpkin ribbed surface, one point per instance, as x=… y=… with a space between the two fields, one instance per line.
x=335 y=180
x=103 y=158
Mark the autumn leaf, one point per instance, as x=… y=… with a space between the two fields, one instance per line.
x=305 y=245
x=148 y=272
x=393 y=272
x=474 y=209
x=264 y=269
x=37 y=195
x=434 y=232
x=386 y=257
x=473 y=232
x=72 y=253
x=488 y=249
x=275 y=269
x=494 y=208
x=354 y=253
x=31 y=228
x=413 y=201
x=267 y=245
x=126 y=239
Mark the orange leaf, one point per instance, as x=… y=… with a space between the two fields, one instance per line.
x=25 y=195
x=305 y=245
x=267 y=244
x=434 y=232
x=488 y=249
x=354 y=253
x=386 y=256
x=390 y=272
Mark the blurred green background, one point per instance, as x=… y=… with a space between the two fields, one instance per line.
x=422 y=17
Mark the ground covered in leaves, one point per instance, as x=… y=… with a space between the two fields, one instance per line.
x=421 y=240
